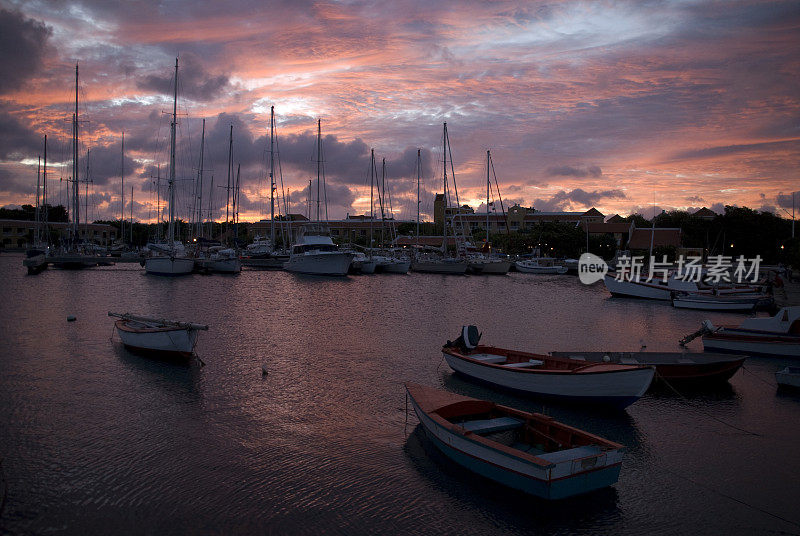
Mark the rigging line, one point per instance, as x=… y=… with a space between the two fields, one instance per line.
x=771 y=384
x=710 y=416
x=722 y=494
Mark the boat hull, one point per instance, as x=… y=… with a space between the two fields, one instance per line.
x=225 y=266
x=174 y=342
x=634 y=289
x=544 y=270
x=429 y=267
x=168 y=265
x=695 y=368
x=788 y=378
x=762 y=346
x=491 y=267
x=396 y=267
x=35 y=263
x=555 y=482
x=618 y=389
x=320 y=263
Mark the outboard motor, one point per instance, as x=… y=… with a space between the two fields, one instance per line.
x=467 y=341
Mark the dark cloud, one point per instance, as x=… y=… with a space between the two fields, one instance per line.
x=695 y=199
x=17 y=139
x=727 y=150
x=194 y=81
x=578 y=197
x=569 y=171
x=23 y=44
x=791 y=200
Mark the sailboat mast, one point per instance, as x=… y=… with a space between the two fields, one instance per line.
x=371 y=195
x=131 y=215
x=228 y=188
x=122 y=188
x=44 y=191
x=272 y=176
x=75 y=165
x=36 y=237
x=444 y=180
x=171 y=228
x=382 y=200
x=488 y=185
x=419 y=172
x=319 y=160
x=200 y=183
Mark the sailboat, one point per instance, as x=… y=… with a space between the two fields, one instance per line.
x=315 y=252
x=221 y=259
x=36 y=256
x=388 y=261
x=69 y=257
x=172 y=259
x=440 y=263
x=486 y=264
x=261 y=253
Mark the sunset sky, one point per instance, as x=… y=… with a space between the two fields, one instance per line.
x=625 y=106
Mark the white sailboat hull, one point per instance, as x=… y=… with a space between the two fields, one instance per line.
x=169 y=265
x=439 y=267
x=225 y=266
x=396 y=267
x=529 y=269
x=634 y=289
x=322 y=263
x=754 y=347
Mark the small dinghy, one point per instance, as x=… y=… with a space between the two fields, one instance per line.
x=530 y=452
x=689 y=367
x=788 y=378
x=573 y=380
x=157 y=335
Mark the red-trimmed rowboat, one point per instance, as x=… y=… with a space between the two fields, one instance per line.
x=530 y=452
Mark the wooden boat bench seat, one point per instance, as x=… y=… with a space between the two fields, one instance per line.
x=529 y=363
x=571 y=454
x=490 y=426
x=487 y=358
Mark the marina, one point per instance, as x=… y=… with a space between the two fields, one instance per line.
x=265 y=414
x=362 y=268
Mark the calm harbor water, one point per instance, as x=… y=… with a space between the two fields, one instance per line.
x=96 y=439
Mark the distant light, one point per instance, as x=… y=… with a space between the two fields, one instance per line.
x=781 y=246
x=731 y=245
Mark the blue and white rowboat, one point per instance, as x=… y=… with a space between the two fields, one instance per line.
x=530 y=452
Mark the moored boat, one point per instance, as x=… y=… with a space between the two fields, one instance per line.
x=540 y=266
x=315 y=253
x=530 y=452
x=689 y=367
x=157 y=335
x=788 y=378
x=705 y=302
x=778 y=335
x=571 y=380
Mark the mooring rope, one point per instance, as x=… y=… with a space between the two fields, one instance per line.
x=702 y=411
x=771 y=384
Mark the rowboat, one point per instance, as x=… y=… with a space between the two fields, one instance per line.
x=788 y=378
x=778 y=335
x=571 y=380
x=157 y=335
x=705 y=302
x=688 y=367
x=530 y=452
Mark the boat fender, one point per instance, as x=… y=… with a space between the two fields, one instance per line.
x=71 y=318
x=606 y=358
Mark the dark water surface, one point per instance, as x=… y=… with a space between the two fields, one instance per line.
x=96 y=439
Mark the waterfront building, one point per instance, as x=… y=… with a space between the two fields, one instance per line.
x=20 y=233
